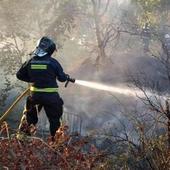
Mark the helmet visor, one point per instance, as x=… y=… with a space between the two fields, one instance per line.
x=45 y=46
x=39 y=52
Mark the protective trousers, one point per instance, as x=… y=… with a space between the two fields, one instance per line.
x=52 y=104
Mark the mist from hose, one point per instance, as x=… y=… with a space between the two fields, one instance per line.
x=121 y=90
x=114 y=89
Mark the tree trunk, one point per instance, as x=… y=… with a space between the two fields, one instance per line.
x=168 y=123
x=101 y=50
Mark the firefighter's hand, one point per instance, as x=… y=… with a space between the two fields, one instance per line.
x=71 y=80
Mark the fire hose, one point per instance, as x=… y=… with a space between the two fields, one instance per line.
x=6 y=113
x=72 y=80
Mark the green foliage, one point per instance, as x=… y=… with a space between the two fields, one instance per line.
x=148 y=5
x=151 y=10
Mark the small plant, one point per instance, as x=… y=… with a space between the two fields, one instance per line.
x=66 y=152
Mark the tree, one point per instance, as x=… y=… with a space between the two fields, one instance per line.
x=94 y=15
x=153 y=12
x=104 y=27
x=63 y=18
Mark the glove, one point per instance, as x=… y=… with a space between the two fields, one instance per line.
x=67 y=76
x=70 y=79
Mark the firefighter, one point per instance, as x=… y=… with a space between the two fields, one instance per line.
x=166 y=45
x=146 y=36
x=41 y=71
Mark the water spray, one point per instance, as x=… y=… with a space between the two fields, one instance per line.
x=112 y=89
x=103 y=87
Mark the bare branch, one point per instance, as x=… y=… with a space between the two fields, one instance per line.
x=106 y=8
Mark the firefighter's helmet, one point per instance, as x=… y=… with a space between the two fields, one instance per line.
x=45 y=46
x=167 y=36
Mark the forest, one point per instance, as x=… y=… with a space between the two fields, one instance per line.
x=117 y=113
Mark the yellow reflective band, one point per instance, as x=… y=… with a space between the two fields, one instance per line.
x=48 y=90
x=38 y=67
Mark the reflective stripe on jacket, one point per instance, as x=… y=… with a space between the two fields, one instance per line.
x=42 y=72
x=48 y=90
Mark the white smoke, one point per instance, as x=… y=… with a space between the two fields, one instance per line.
x=123 y=2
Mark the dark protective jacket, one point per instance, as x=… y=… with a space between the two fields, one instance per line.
x=146 y=32
x=166 y=46
x=42 y=72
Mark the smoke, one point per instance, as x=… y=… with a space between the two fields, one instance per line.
x=123 y=2
x=126 y=53
x=92 y=99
